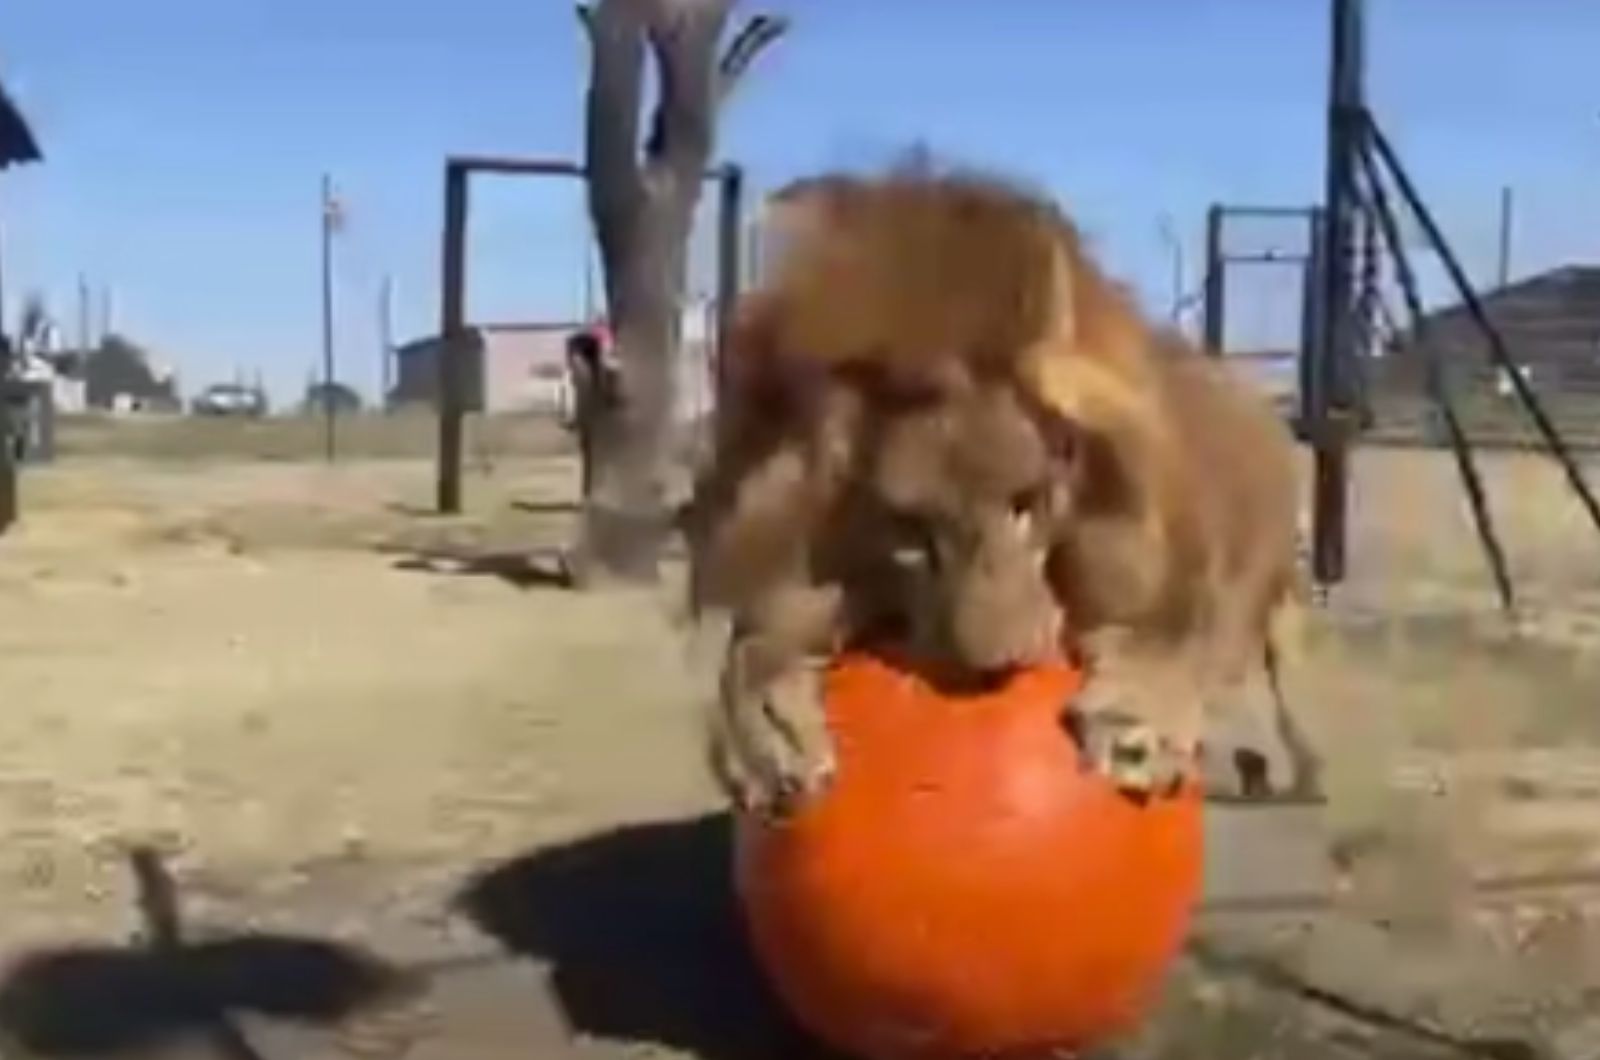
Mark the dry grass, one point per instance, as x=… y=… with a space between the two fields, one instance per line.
x=407 y=434
x=235 y=659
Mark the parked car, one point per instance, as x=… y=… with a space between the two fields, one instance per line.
x=230 y=399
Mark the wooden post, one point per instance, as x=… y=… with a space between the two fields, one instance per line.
x=452 y=334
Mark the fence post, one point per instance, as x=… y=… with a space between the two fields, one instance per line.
x=1330 y=419
x=1212 y=325
x=452 y=326
x=1312 y=328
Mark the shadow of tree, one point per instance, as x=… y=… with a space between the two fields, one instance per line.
x=641 y=928
x=97 y=1000
x=88 y=1001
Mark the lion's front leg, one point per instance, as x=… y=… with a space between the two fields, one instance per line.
x=1140 y=715
x=770 y=744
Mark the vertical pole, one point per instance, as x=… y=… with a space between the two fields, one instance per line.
x=1312 y=331
x=1177 y=280
x=329 y=410
x=85 y=338
x=385 y=341
x=43 y=449
x=2 y=305
x=452 y=328
x=1503 y=271
x=1330 y=400
x=730 y=221
x=588 y=285
x=1216 y=279
x=8 y=467
x=1174 y=247
x=8 y=464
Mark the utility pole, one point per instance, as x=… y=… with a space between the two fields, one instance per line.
x=1504 y=271
x=85 y=337
x=1174 y=245
x=330 y=222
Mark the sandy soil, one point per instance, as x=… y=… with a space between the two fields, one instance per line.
x=333 y=715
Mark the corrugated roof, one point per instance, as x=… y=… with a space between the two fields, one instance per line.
x=17 y=144
x=1569 y=291
x=1550 y=322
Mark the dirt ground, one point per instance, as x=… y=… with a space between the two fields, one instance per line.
x=362 y=746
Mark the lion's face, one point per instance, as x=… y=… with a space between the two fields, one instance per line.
x=968 y=482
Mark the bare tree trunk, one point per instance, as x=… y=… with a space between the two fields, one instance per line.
x=643 y=205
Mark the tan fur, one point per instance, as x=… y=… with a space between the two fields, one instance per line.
x=935 y=360
x=1175 y=585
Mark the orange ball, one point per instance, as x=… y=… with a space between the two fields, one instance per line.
x=964 y=888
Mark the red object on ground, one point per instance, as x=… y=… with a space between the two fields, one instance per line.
x=964 y=889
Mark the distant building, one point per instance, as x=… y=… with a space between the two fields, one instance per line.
x=119 y=376
x=508 y=368
x=513 y=368
x=1551 y=325
x=39 y=359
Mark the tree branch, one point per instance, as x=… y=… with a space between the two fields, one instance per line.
x=615 y=186
x=685 y=43
x=751 y=40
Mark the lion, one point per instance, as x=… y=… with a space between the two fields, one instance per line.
x=943 y=426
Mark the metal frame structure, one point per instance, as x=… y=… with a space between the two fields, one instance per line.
x=458 y=172
x=1351 y=229
x=1219 y=260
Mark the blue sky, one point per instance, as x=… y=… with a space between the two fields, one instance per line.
x=186 y=139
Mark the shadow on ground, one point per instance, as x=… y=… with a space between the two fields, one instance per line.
x=88 y=1001
x=641 y=931
x=520 y=570
x=97 y=1000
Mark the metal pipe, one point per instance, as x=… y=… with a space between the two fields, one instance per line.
x=1329 y=402
x=452 y=328
x=1215 y=282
